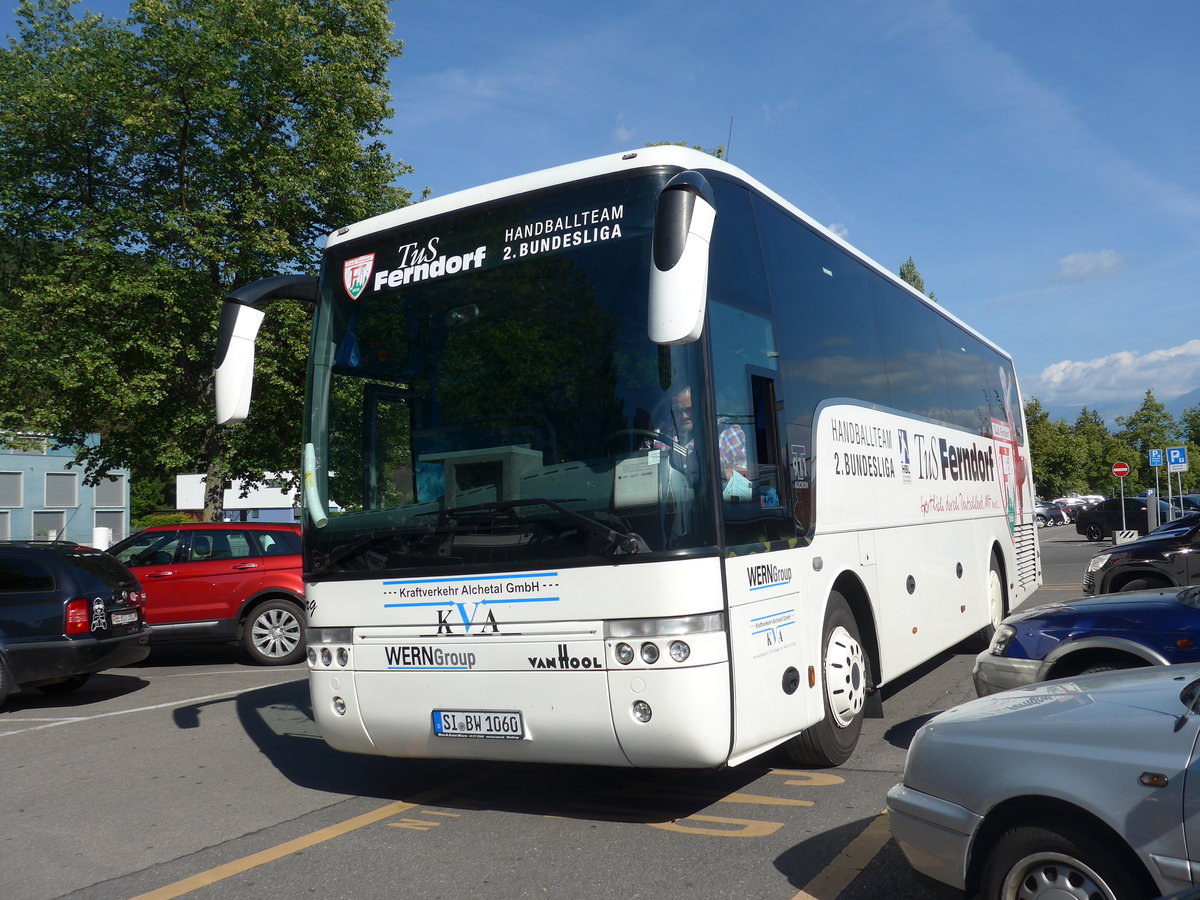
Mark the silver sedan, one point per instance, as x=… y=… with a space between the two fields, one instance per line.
x=1087 y=788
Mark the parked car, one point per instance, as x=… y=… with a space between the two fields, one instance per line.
x=1186 y=503
x=1100 y=521
x=1096 y=634
x=1080 y=788
x=1047 y=514
x=237 y=581
x=66 y=612
x=1168 y=557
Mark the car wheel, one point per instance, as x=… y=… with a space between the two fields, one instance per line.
x=1041 y=521
x=1034 y=863
x=1094 y=532
x=1145 y=584
x=273 y=634
x=74 y=683
x=831 y=741
x=1109 y=667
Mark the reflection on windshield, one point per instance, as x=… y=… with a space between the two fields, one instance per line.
x=513 y=414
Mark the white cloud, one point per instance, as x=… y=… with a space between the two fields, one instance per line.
x=1082 y=266
x=622 y=134
x=1119 y=379
x=839 y=229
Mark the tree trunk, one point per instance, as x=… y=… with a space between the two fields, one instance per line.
x=214 y=476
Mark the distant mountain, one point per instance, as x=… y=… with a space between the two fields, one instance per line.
x=1185 y=401
x=1070 y=412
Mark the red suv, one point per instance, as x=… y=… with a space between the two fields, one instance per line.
x=223 y=581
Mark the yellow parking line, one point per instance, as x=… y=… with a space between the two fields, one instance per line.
x=836 y=877
x=246 y=863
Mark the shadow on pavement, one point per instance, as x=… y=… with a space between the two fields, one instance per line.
x=278 y=719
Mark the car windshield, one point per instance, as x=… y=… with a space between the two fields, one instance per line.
x=486 y=393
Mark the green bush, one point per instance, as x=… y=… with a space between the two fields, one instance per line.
x=163 y=519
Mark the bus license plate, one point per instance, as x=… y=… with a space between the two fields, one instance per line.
x=478 y=723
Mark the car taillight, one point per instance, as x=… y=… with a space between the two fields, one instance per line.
x=79 y=616
x=135 y=598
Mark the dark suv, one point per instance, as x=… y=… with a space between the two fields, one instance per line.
x=223 y=581
x=1100 y=521
x=1167 y=557
x=65 y=612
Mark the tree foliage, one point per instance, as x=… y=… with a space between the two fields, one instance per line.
x=152 y=164
x=909 y=275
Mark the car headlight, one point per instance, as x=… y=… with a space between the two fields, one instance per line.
x=1099 y=561
x=1001 y=639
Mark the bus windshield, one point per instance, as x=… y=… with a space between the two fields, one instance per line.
x=484 y=393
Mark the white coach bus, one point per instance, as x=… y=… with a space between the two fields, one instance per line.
x=637 y=466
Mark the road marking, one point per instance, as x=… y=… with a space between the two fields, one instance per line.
x=271 y=854
x=848 y=865
x=735 y=827
x=1061 y=587
x=70 y=720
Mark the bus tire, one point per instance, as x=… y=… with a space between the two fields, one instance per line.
x=831 y=741
x=997 y=604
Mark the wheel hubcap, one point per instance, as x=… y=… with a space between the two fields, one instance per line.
x=995 y=597
x=1053 y=876
x=845 y=676
x=276 y=633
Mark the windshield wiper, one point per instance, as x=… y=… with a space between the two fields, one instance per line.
x=356 y=547
x=622 y=542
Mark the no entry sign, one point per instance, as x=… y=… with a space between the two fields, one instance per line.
x=1120 y=469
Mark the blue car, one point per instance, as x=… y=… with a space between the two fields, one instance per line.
x=1095 y=634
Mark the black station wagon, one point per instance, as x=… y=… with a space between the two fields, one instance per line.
x=65 y=612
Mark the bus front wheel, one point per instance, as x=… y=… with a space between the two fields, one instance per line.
x=844 y=665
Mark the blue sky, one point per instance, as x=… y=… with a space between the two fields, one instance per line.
x=1038 y=160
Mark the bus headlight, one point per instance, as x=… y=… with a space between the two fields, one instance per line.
x=680 y=651
x=642 y=711
x=343 y=656
x=339 y=706
x=649 y=653
x=624 y=653
x=312 y=656
x=326 y=656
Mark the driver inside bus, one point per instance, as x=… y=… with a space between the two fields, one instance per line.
x=677 y=437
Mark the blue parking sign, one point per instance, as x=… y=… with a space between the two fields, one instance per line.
x=1156 y=457
x=1177 y=460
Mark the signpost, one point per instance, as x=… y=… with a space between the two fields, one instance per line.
x=1156 y=460
x=1177 y=461
x=1121 y=469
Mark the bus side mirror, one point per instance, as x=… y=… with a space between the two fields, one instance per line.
x=234 y=368
x=241 y=314
x=683 y=223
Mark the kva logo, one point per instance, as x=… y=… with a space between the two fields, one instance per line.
x=488 y=624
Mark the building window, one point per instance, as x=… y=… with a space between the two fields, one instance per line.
x=5 y=526
x=113 y=519
x=48 y=524
x=62 y=489
x=111 y=491
x=11 y=494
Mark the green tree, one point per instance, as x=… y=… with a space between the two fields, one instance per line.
x=1058 y=458
x=149 y=166
x=1189 y=425
x=910 y=275
x=1149 y=427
